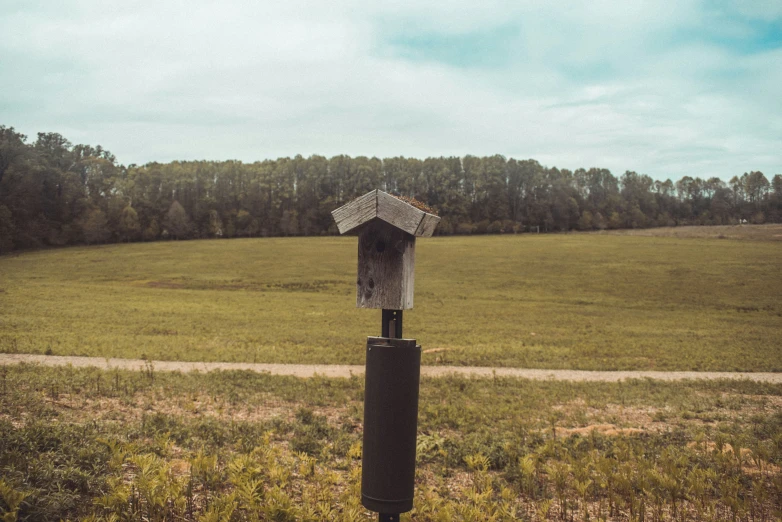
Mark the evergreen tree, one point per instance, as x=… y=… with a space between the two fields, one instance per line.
x=96 y=227
x=129 y=227
x=177 y=223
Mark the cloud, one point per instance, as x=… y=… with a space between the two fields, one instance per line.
x=668 y=89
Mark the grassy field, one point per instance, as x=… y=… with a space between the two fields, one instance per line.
x=119 y=446
x=581 y=301
x=768 y=232
x=115 y=446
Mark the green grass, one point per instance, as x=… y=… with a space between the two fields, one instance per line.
x=81 y=443
x=581 y=301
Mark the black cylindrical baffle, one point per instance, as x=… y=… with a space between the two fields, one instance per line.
x=390 y=423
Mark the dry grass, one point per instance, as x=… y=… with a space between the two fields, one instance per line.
x=768 y=232
x=489 y=449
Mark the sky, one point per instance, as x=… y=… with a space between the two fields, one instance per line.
x=663 y=88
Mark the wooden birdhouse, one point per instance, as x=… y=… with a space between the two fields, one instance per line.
x=387 y=227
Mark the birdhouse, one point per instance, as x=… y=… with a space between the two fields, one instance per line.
x=386 y=227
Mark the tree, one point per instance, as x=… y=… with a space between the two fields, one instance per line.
x=599 y=221
x=775 y=200
x=495 y=227
x=129 y=227
x=215 y=228
x=737 y=188
x=96 y=227
x=6 y=230
x=720 y=205
x=243 y=221
x=465 y=228
x=152 y=232
x=615 y=221
x=55 y=147
x=289 y=223
x=12 y=147
x=177 y=222
x=491 y=196
x=635 y=217
x=776 y=183
x=585 y=222
x=755 y=186
x=602 y=187
x=637 y=192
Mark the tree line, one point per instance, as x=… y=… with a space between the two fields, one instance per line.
x=56 y=193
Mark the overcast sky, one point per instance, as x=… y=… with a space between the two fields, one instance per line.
x=663 y=88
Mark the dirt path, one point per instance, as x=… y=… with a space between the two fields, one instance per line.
x=344 y=370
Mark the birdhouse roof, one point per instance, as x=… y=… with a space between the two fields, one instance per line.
x=379 y=205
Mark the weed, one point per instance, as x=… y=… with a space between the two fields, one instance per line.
x=247 y=459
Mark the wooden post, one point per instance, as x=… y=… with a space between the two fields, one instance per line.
x=387 y=228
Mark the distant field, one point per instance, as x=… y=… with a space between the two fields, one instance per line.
x=582 y=301
x=771 y=232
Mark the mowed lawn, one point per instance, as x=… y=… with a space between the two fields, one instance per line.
x=582 y=301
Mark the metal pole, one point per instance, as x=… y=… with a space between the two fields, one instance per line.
x=391 y=326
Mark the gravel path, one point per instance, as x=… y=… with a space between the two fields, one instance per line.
x=344 y=370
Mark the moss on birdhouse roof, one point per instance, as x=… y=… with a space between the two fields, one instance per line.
x=420 y=205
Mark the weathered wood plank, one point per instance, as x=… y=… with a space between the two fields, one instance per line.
x=356 y=213
x=398 y=213
x=427 y=225
x=378 y=204
x=386 y=267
